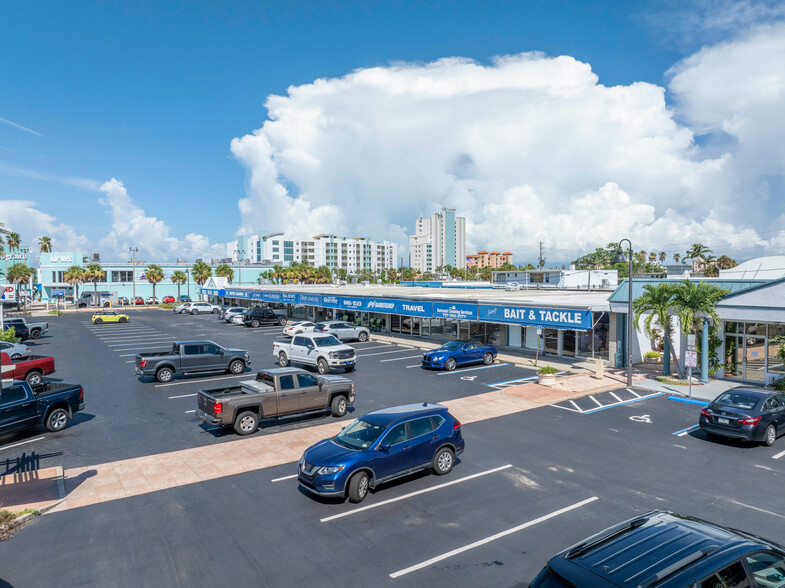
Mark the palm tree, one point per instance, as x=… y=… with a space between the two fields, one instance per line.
x=201 y=272
x=663 y=256
x=698 y=251
x=725 y=262
x=178 y=277
x=45 y=244
x=94 y=273
x=710 y=270
x=155 y=274
x=3 y=233
x=676 y=257
x=13 y=240
x=695 y=302
x=656 y=303
x=74 y=275
x=19 y=274
x=225 y=271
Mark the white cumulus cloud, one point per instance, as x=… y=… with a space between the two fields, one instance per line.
x=24 y=217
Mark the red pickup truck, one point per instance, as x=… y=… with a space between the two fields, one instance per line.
x=32 y=368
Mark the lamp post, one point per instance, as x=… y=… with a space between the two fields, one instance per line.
x=619 y=258
x=134 y=251
x=240 y=253
x=188 y=282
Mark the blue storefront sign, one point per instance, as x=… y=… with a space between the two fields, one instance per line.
x=352 y=303
x=381 y=305
x=271 y=296
x=236 y=293
x=453 y=310
x=288 y=298
x=413 y=308
x=331 y=301
x=256 y=296
x=545 y=317
x=58 y=293
x=309 y=299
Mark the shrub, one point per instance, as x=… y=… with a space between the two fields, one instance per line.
x=779 y=384
x=55 y=312
x=9 y=335
x=547 y=370
x=651 y=355
x=167 y=305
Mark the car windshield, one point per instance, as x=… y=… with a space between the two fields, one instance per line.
x=738 y=400
x=451 y=346
x=359 y=435
x=328 y=341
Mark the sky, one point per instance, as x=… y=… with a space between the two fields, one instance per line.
x=174 y=127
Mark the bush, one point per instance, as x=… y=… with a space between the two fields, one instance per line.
x=651 y=355
x=547 y=370
x=55 y=312
x=167 y=305
x=9 y=335
x=779 y=384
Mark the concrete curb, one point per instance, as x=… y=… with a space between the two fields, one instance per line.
x=21 y=520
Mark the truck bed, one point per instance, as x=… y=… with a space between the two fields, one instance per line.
x=25 y=358
x=157 y=354
x=52 y=387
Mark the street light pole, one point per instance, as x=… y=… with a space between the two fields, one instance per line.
x=240 y=253
x=619 y=258
x=134 y=251
x=188 y=282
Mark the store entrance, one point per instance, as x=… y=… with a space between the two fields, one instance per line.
x=550 y=338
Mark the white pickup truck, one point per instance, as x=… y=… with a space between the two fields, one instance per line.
x=322 y=351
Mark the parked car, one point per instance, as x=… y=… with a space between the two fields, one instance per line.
x=20 y=330
x=30 y=368
x=322 y=351
x=52 y=404
x=227 y=313
x=35 y=328
x=667 y=550
x=168 y=299
x=343 y=330
x=180 y=308
x=138 y=301
x=151 y=300
x=197 y=308
x=381 y=446
x=747 y=414
x=185 y=298
x=459 y=353
x=237 y=319
x=258 y=316
x=109 y=316
x=274 y=393
x=191 y=357
x=123 y=300
x=512 y=286
x=14 y=349
x=298 y=328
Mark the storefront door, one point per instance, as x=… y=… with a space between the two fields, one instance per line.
x=568 y=344
x=550 y=339
x=734 y=357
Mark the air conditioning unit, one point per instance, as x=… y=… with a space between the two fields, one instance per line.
x=96 y=257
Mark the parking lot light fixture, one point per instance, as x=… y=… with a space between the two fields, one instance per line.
x=619 y=258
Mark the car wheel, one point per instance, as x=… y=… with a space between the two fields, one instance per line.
x=107 y=304
x=15 y=356
x=282 y=321
x=298 y=332
x=358 y=487
x=123 y=319
x=164 y=375
x=97 y=321
x=34 y=378
x=195 y=311
x=450 y=364
x=443 y=461
x=35 y=333
x=182 y=311
x=487 y=359
x=283 y=361
x=255 y=323
x=57 y=419
x=322 y=366
x=362 y=337
x=348 y=368
x=237 y=367
x=246 y=423
x=216 y=310
x=771 y=435
x=338 y=406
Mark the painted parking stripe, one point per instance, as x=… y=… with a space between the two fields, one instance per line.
x=513 y=381
x=779 y=455
x=487 y=540
x=386 y=346
x=578 y=408
x=417 y=493
x=22 y=443
x=413 y=366
x=400 y=358
x=144 y=347
x=597 y=402
x=686 y=431
x=190 y=411
x=284 y=478
x=182 y=396
x=382 y=353
x=688 y=400
x=593 y=410
x=248 y=375
x=485 y=367
x=616 y=397
x=158 y=340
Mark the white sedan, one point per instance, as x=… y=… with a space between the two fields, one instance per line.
x=298 y=328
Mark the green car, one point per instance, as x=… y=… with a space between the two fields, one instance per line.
x=109 y=316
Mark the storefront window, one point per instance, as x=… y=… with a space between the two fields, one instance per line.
x=493 y=334
x=550 y=341
x=568 y=343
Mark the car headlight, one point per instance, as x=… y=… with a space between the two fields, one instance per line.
x=327 y=470
x=333 y=355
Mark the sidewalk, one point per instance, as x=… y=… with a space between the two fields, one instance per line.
x=38 y=489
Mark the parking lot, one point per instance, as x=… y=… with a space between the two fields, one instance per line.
x=530 y=483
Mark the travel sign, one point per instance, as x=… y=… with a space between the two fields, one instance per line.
x=542 y=317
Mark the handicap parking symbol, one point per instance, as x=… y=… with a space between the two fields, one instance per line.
x=644 y=418
x=469 y=378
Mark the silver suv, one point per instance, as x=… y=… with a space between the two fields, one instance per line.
x=343 y=330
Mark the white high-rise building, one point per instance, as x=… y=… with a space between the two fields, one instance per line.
x=438 y=241
x=350 y=253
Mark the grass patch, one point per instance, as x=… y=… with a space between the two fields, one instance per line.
x=167 y=306
x=675 y=381
x=8 y=524
x=55 y=312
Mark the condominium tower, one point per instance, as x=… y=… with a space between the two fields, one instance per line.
x=439 y=240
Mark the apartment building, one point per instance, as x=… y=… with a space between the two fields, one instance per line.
x=483 y=259
x=438 y=240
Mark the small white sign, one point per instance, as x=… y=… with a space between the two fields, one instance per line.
x=691 y=340
x=691 y=359
x=539 y=330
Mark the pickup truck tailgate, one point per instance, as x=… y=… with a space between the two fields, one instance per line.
x=206 y=403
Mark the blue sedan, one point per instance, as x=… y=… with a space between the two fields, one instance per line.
x=381 y=446
x=458 y=353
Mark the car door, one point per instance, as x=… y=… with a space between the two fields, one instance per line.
x=214 y=359
x=17 y=409
x=393 y=452
x=191 y=358
x=299 y=349
x=312 y=396
x=767 y=567
x=731 y=576
x=288 y=395
x=347 y=332
x=424 y=439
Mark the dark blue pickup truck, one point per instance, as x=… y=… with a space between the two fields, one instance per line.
x=51 y=404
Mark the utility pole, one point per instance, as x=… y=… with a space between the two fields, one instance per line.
x=134 y=251
x=540 y=260
x=240 y=253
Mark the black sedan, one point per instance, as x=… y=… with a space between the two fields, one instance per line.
x=748 y=414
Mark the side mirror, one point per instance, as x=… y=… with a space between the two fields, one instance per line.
x=384 y=447
x=310 y=346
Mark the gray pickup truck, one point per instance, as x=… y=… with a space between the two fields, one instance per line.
x=191 y=357
x=274 y=393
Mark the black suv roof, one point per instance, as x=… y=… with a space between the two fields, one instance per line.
x=660 y=548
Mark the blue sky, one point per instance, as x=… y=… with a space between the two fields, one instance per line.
x=152 y=94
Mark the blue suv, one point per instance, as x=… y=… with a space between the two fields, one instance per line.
x=379 y=447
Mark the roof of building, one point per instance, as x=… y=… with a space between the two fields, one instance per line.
x=770 y=268
x=620 y=294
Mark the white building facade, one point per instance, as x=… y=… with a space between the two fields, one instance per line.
x=438 y=241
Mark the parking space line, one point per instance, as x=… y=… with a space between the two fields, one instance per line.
x=633 y=392
x=182 y=396
x=382 y=353
x=768 y=512
x=417 y=493
x=578 y=408
x=377 y=347
x=248 y=375
x=779 y=455
x=413 y=366
x=400 y=358
x=151 y=340
x=683 y=432
x=22 y=443
x=481 y=542
x=485 y=367
x=143 y=347
x=616 y=397
x=593 y=410
x=513 y=381
x=284 y=478
x=597 y=402
x=190 y=411
x=688 y=400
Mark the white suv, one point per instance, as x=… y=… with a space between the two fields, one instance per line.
x=197 y=307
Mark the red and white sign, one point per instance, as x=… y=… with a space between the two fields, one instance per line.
x=7 y=292
x=690 y=359
x=7 y=373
